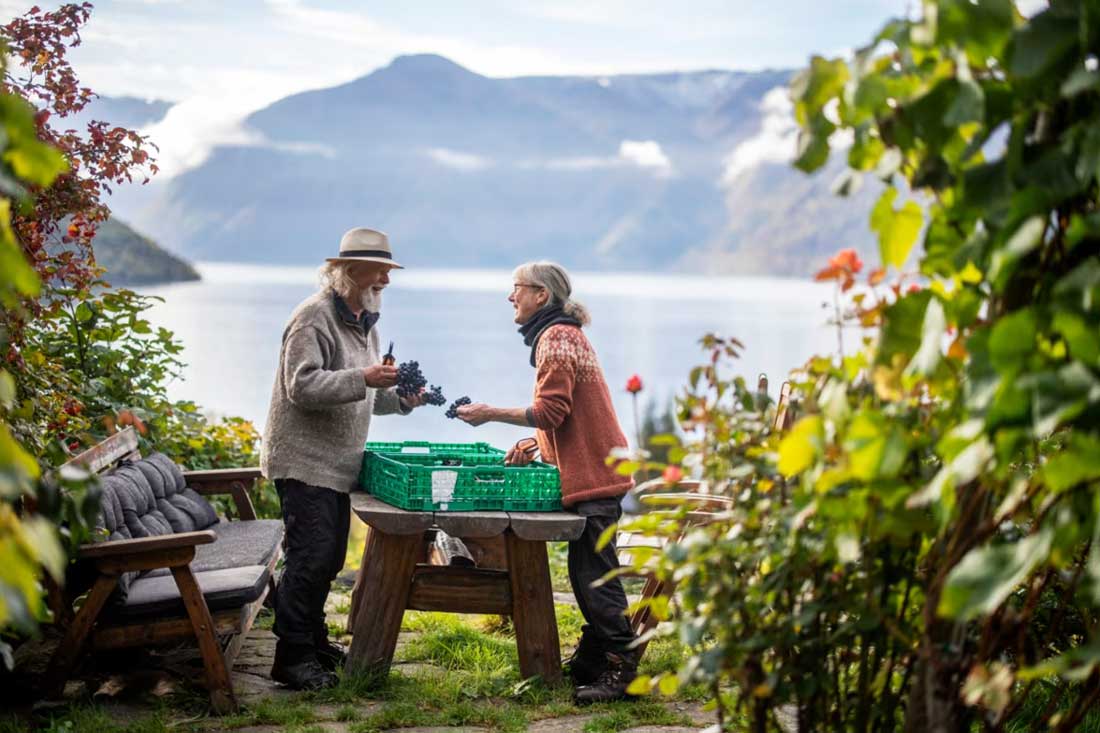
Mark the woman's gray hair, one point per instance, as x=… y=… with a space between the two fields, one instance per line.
x=554 y=278
x=336 y=276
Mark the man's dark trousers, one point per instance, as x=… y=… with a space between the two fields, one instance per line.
x=316 y=541
x=606 y=626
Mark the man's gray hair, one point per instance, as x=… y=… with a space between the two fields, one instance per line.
x=555 y=279
x=336 y=276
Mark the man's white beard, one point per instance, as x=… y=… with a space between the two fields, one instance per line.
x=370 y=300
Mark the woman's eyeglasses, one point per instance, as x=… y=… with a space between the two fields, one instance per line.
x=517 y=286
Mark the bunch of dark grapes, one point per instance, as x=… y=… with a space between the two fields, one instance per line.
x=452 y=411
x=409 y=379
x=434 y=396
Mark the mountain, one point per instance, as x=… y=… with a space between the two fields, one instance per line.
x=618 y=172
x=133 y=259
x=130 y=112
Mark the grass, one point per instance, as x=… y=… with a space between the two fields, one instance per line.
x=473 y=680
x=273 y=711
x=265 y=619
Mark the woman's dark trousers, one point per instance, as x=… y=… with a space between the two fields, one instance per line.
x=606 y=626
x=317 y=522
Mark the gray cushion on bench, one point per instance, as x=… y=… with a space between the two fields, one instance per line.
x=249 y=542
x=159 y=597
x=149 y=498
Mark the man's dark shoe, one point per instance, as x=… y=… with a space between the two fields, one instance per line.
x=331 y=655
x=298 y=669
x=611 y=685
x=585 y=665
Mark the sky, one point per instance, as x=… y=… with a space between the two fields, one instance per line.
x=176 y=49
x=223 y=59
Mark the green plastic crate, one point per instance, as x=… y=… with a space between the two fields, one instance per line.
x=424 y=447
x=457 y=477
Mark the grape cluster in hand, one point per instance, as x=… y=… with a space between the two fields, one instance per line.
x=434 y=396
x=452 y=411
x=409 y=379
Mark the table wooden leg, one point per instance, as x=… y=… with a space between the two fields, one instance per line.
x=357 y=589
x=383 y=590
x=533 y=609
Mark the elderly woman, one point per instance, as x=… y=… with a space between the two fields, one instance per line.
x=329 y=382
x=576 y=430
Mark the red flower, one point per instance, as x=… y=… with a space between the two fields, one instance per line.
x=634 y=384
x=672 y=474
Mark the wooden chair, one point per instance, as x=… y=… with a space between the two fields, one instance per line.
x=702 y=508
x=219 y=634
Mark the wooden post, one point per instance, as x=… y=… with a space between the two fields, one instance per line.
x=386 y=577
x=533 y=608
x=217 y=675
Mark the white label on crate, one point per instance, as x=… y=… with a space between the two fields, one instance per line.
x=443 y=486
x=420 y=449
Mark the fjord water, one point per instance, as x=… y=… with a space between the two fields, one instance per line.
x=458 y=325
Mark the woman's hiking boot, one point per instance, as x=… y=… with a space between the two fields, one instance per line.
x=297 y=667
x=622 y=668
x=585 y=665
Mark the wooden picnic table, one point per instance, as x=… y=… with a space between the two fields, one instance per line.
x=395 y=576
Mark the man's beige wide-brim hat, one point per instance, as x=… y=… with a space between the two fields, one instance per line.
x=365 y=245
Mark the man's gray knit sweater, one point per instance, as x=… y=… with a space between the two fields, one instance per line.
x=320 y=405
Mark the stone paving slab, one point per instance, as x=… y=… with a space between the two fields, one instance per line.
x=661 y=729
x=567 y=724
x=464 y=729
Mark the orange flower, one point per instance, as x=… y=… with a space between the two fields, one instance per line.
x=847 y=259
x=843 y=267
x=634 y=384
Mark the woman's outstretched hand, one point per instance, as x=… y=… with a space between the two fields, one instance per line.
x=476 y=414
x=413 y=401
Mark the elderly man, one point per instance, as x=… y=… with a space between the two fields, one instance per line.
x=329 y=383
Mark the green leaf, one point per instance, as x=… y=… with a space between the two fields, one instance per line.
x=985 y=577
x=930 y=353
x=875 y=448
x=1013 y=339
x=1044 y=42
x=812 y=148
x=1082 y=228
x=606 y=536
x=1083 y=280
x=1025 y=239
x=1079 y=461
x=897 y=229
x=1092 y=563
x=812 y=88
x=1081 y=80
x=801 y=445
x=1082 y=337
x=902 y=328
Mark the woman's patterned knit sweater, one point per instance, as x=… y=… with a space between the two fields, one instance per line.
x=577 y=427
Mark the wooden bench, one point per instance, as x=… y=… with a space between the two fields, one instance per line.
x=219 y=633
x=512 y=578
